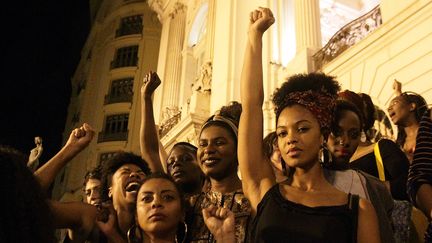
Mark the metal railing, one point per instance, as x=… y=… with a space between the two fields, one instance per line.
x=111 y=99
x=107 y=137
x=348 y=36
x=169 y=123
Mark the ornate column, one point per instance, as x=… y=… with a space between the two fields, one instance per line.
x=307 y=24
x=173 y=65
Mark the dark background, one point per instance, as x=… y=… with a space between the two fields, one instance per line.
x=42 y=44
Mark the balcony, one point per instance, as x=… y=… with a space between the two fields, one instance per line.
x=111 y=99
x=109 y=137
x=348 y=36
x=121 y=63
x=171 y=116
x=128 y=31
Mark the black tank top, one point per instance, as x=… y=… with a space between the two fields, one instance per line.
x=280 y=220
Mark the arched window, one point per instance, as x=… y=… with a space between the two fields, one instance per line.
x=199 y=26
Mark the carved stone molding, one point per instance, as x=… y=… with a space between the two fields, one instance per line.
x=157 y=6
x=203 y=81
x=170 y=117
x=178 y=8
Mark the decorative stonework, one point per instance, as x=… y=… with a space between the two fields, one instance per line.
x=203 y=81
x=170 y=117
x=178 y=8
x=156 y=5
x=348 y=36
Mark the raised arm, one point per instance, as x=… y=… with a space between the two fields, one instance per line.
x=256 y=171
x=78 y=140
x=79 y=217
x=35 y=154
x=149 y=140
x=397 y=87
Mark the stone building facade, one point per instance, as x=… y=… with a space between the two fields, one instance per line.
x=196 y=47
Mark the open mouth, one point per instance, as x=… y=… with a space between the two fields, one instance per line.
x=132 y=186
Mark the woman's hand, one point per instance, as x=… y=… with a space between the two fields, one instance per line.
x=80 y=138
x=397 y=87
x=150 y=83
x=260 y=20
x=220 y=222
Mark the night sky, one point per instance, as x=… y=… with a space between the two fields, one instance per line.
x=42 y=44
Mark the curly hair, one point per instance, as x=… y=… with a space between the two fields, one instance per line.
x=319 y=83
x=95 y=173
x=26 y=216
x=231 y=114
x=233 y=111
x=119 y=159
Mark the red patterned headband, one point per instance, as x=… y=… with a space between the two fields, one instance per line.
x=322 y=105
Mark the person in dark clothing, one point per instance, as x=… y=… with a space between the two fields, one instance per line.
x=304 y=208
x=394 y=163
x=405 y=111
x=181 y=161
x=420 y=172
x=382 y=159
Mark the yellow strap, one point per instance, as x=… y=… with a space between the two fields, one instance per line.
x=379 y=162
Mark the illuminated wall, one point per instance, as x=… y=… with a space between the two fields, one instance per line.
x=197 y=49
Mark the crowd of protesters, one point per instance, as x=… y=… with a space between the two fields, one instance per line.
x=326 y=174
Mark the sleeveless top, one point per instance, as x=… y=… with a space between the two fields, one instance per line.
x=280 y=220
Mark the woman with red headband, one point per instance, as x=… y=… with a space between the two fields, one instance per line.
x=305 y=207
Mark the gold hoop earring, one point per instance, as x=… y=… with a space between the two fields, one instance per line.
x=326 y=156
x=131 y=234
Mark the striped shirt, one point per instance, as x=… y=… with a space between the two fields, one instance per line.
x=420 y=171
